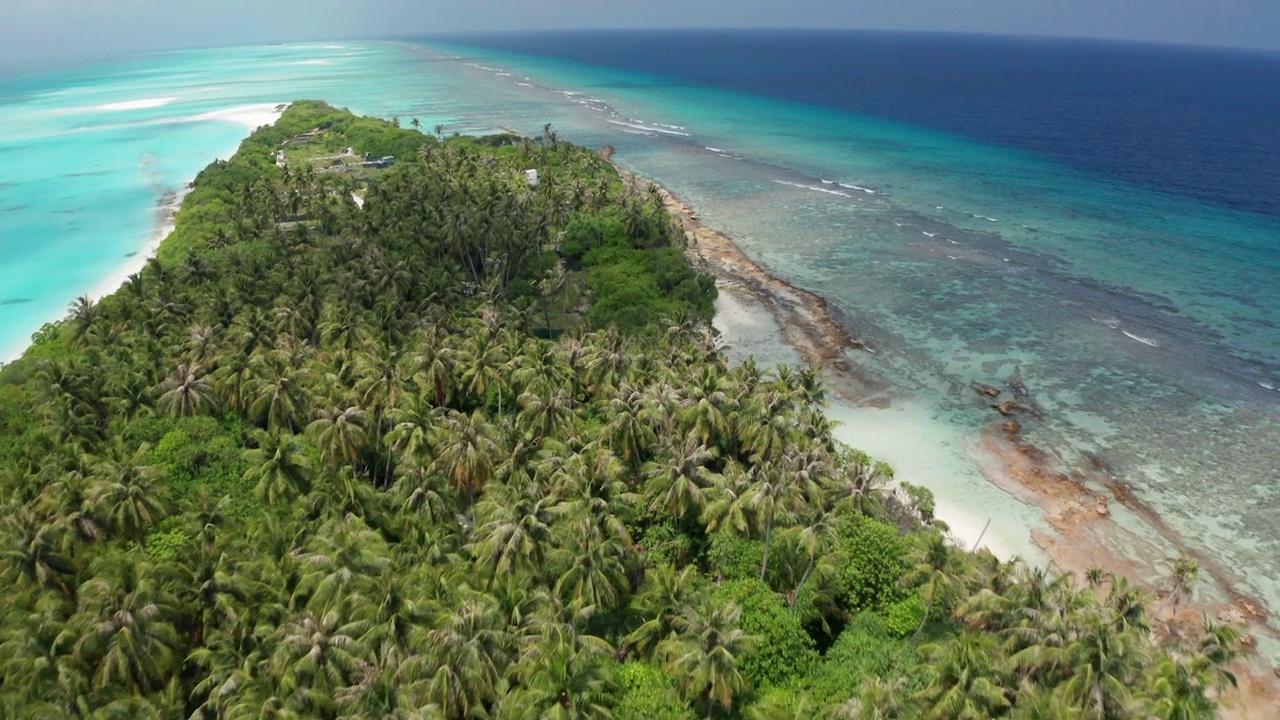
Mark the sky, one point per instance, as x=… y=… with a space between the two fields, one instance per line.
x=56 y=29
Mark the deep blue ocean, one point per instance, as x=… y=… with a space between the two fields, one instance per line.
x=1099 y=222
x=1200 y=122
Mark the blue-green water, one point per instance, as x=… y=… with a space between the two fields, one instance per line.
x=1146 y=325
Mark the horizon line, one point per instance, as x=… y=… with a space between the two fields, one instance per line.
x=65 y=62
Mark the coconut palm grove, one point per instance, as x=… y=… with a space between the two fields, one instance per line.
x=436 y=441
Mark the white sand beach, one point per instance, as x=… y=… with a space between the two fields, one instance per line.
x=250 y=117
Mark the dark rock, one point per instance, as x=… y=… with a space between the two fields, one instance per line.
x=988 y=390
x=1008 y=407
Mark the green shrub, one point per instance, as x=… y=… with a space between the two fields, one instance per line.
x=647 y=694
x=922 y=499
x=904 y=617
x=783 y=650
x=589 y=231
x=635 y=277
x=865 y=648
x=166 y=545
x=874 y=563
x=195 y=453
x=664 y=546
x=780 y=704
x=731 y=557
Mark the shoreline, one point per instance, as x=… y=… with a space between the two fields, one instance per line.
x=1077 y=528
x=250 y=117
x=804 y=323
x=166 y=216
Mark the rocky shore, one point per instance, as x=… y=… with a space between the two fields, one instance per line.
x=1077 y=504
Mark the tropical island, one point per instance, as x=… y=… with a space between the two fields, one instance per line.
x=446 y=438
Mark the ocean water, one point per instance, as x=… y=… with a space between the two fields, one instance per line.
x=1098 y=221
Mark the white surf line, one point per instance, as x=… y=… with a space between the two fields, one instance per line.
x=648 y=128
x=1143 y=340
x=144 y=104
x=850 y=186
x=814 y=188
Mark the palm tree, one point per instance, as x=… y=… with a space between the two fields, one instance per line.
x=595 y=578
x=83 y=312
x=435 y=362
x=767 y=427
x=33 y=668
x=1185 y=571
x=414 y=421
x=513 y=529
x=563 y=676
x=704 y=654
x=131 y=393
x=662 y=599
x=317 y=657
x=627 y=432
x=125 y=630
x=340 y=435
x=676 y=483
x=340 y=564
x=816 y=534
x=383 y=373
x=1102 y=662
x=231 y=382
x=776 y=706
x=963 y=680
x=69 y=498
x=466 y=446
x=278 y=469
x=465 y=657
x=399 y=605
x=879 y=700
x=187 y=391
x=275 y=396
x=1182 y=690
x=706 y=415
x=769 y=495
x=486 y=358
x=30 y=553
x=130 y=495
x=544 y=416
x=855 y=476
x=935 y=571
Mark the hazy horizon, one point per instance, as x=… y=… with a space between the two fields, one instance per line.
x=45 y=31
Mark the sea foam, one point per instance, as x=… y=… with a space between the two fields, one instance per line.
x=144 y=104
x=814 y=188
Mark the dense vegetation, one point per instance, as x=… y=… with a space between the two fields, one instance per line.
x=471 y=452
